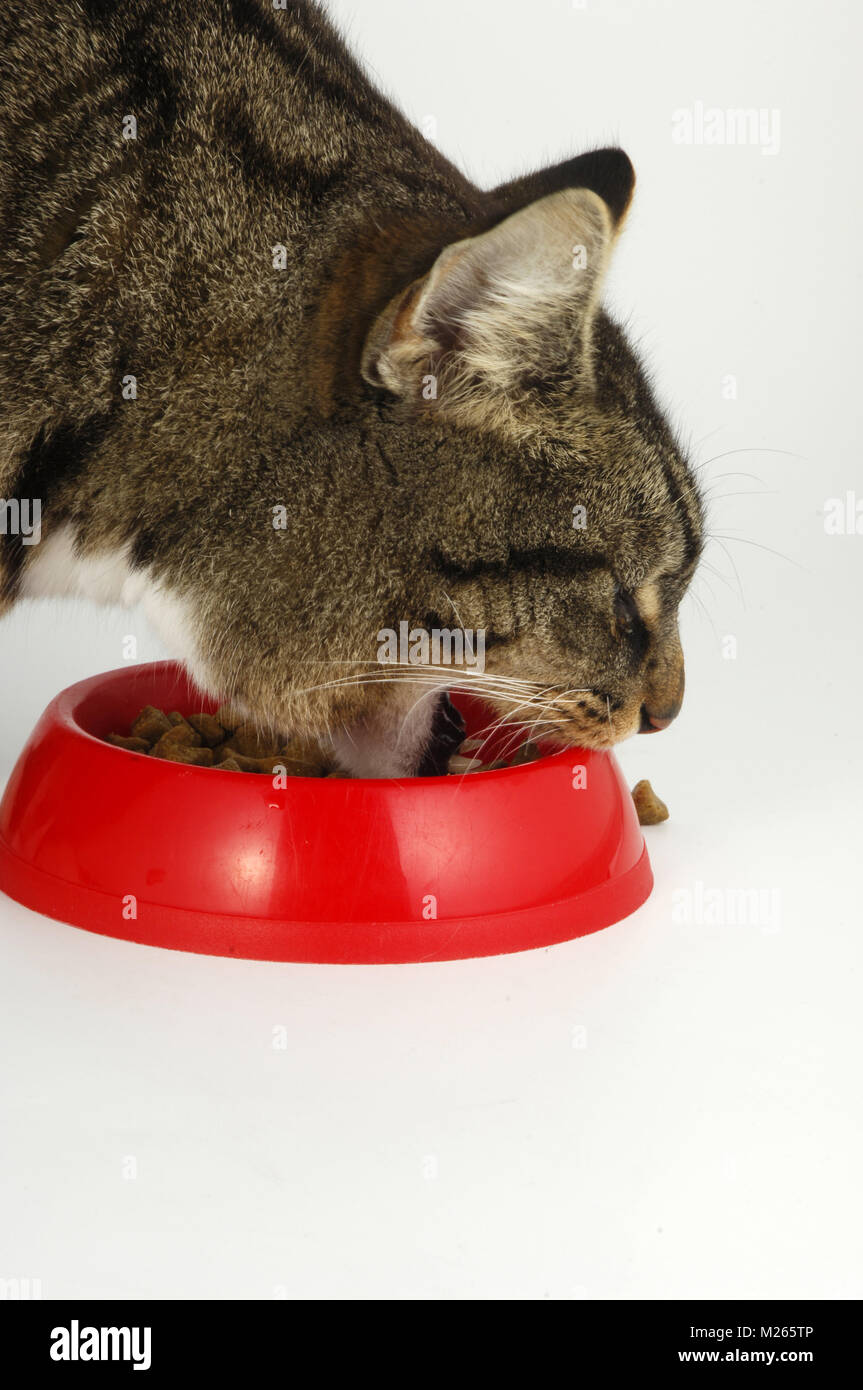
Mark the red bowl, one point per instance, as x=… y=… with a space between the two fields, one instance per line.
x=328 y=870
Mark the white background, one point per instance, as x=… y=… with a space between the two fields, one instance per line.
x=668 y=1108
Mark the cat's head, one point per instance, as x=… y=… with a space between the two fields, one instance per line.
x=579 y=525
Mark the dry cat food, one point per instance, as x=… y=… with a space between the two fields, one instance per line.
x=226 y=741
x=221 y=740
x=651 y=811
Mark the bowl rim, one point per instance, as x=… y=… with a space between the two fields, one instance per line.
x=65 y=706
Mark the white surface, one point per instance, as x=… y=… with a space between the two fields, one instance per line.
x=666 y=1108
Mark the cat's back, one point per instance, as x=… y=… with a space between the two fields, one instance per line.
x=152 y=155
x=221 y=109
x=228 y=106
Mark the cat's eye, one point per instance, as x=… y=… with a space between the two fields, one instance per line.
x=626 y=610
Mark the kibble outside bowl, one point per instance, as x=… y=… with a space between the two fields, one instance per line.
x=322 y=869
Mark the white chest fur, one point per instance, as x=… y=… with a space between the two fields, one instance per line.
x=54 y=569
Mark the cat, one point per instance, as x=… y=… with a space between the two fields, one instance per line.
x=276 y=371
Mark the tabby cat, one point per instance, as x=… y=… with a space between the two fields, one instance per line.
x=275 y=370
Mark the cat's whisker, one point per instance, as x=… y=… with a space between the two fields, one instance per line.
x=744 y=540
x=546 y=707
x=432 y=680
x=749 y=492
x=696 y=598
x=695 y=445
x=458 y=616
x=507 y=718
x=729 y=453
x=717 y=574
x=730 y=559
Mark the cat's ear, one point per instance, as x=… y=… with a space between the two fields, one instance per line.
x=608 y=172
x=499 y=306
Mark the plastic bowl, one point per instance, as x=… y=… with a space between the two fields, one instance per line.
x=327 y=870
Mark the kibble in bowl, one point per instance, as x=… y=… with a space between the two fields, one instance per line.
x=227 y=741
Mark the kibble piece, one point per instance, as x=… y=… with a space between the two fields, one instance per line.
x=527 y=753
x=268 y=765
x=209 y=729
x=272 y=766
x=229 y=765
x=459 y=766
x=179 y=736
x=187 y=734
x=303 y=758
x=471 y=745
x=151 y=724
x=651 y=811
x=229 y=718
x=225 y=753
x=182 y=734
x=182 y=753
x=134 y=745
x=252 y=743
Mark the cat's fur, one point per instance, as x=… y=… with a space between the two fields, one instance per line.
x=429 y=387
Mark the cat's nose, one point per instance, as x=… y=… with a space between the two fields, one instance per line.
x=654 y=720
